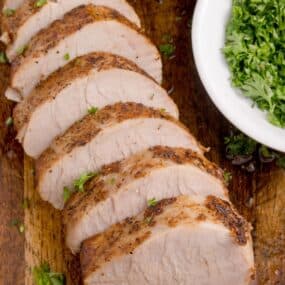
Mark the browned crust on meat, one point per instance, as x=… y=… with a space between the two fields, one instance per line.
x=176 y=155
x=225 y=213
x=73 y=21
x=78 y=203
x=156 y=210
x=80 y=67
x=135 y=167
x=114 y=167
x=85 y=130
x=12 y=24
x=123 y=238
x=110 y=250
x=180 y=155
x=112 y=243
x=253 y=273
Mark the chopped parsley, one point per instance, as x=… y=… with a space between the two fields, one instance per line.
x=167 y=49
x=80 y=182
x=18 y=224
x=40 y=3
x=242 y=150
x=254 y=50
x=66 y=194
x=78 y=185
x=42 y=275
x=3 y=57
x=152 y=202
x=21 y=50
x=8 y=12
x=240 y=144
x=67 y=56
x=9 y=121
x=227 y=177
x=281 y=161
x=93 y=110
x=265 y=152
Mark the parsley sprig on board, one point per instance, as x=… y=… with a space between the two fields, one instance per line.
x=255 y=52
x=43 y=276
x=246 y=152
x=240 y=144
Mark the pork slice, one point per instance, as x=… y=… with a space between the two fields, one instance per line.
x=12 y=4
x=179 y=241
x=93 y=80
x=112 y=134
x=124 y=188
x=83 y=30
x=28 y=19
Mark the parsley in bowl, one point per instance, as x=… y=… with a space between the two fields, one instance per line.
x=239 y=51
x=255 y=53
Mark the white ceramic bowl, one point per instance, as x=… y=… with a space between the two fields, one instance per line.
x=208 y=37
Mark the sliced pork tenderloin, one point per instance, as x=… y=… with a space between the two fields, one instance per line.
x=112 y=134
x=28 y=19
x=123 y=189
x=94 y=80
x=177 y=241
x=83 y=30
x=12 y=4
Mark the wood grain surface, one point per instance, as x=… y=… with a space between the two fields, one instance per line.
x=260 y=196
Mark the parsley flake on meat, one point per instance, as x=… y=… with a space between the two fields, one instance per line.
x=93 y=110
x=80 y=182
x=152 y=202
x=8 y=12
x=40 y=3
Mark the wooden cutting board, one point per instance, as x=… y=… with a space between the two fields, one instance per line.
x=260 y=196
